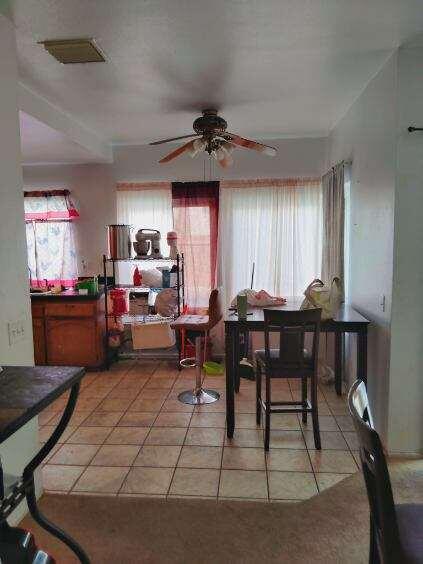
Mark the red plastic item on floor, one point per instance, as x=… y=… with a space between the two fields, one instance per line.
x=119 y=301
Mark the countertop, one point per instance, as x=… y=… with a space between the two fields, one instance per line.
x=67 y=295
x=25 y=391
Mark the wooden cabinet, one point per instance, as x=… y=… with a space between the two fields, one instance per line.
x=69 y=332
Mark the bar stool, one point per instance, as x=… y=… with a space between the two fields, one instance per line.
x=201 y=325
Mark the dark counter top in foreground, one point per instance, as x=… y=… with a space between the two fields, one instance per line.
x=25 y=391
x=67 y=295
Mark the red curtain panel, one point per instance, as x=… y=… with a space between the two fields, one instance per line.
x=195 y=219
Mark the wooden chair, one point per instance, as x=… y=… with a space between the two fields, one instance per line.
x=290 y=360
x=396 y=531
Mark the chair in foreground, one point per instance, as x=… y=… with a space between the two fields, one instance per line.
x=199 y=325
x=396 y=531
x=290 y=360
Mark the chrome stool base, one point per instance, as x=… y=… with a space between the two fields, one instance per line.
x=198 y=397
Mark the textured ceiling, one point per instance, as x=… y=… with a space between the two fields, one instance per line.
x=275 y=68
x=40 y=144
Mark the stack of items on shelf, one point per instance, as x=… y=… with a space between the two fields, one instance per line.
x=140 y=312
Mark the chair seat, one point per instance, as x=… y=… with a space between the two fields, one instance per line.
x=285 y=369
x=410 y=525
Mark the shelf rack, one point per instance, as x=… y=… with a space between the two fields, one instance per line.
x=162 y=354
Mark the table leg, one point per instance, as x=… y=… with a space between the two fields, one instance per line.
x=230 y=336
x=362 y=355
x=28 y=479
x=339 y=341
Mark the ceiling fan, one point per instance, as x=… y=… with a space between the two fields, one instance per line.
x=211 y=136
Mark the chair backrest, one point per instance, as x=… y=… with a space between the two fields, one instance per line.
x=292 y=327
x=376 y=476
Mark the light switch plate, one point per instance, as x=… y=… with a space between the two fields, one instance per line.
x=16 y=331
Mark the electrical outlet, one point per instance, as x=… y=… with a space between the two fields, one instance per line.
x=16 y=331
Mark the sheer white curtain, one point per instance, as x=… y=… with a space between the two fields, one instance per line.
x=279 y=227
x=145 y=207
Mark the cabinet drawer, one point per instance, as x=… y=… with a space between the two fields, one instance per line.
x=71 y=342
x=70 y=310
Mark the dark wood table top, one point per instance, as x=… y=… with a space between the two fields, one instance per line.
x=346 y=315
x=25 y=391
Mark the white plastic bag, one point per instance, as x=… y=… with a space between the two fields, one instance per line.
x=328 y=299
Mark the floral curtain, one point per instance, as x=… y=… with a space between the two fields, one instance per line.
x=50 y=238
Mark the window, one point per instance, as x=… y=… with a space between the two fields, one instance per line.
x=50 y=238
x=276 y=225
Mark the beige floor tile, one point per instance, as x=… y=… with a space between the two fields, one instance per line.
x=243 y=483
x=216 y=420
x=345 y=422
x=216 y=407
x=148 y=480
x=78 y=417
x=170 y=419
x=330 y=440
x=128 y=436
x=174 y=405
x=115 y=404
x=101 y=479
x=326 y=423
x=45 y=416
x=285 y=460
x=245 y=406
x=60 y=477
x=352 y=439
x=236 y=458
x=170 y=436
x=159 y=383
x=194 y=481
x=200 y=457
x=201 y=436
x=87 y=404
x=328 y=480
x=140 y=404
x=45 y=433
x=291 y=485
x=339 y=409
x=333 y=461
x=90 y=435
x=158 y=456
x=124 y=391
x=153 y=393
x=287 y=439
x=77 y=455
x=137 y=419
x=103 y=419
x=284 y=421
x=246 y=421
x=246 y=438
x=115 y=455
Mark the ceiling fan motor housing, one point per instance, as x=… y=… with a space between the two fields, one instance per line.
x=209 y=124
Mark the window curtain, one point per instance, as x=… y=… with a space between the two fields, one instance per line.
x=195 y=219
x=276 y=224
x=333 y=224
x=50 y=237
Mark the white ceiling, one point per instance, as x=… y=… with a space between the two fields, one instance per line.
x=274 y=68
x=40 y=144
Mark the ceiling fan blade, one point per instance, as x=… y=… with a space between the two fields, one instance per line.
x=249 y=144
x=226 y=161
x=174 y=139
x=177 y=152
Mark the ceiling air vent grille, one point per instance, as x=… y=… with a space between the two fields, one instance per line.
x=72 y=51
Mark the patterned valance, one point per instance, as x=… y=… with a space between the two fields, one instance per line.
x=49 y=205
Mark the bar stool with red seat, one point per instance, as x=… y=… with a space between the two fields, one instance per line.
x=200 y=325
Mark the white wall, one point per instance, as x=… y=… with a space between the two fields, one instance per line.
x=405 y=432
x=93 y=189
x=14 y=291
x=93 y=186
x=367 y=135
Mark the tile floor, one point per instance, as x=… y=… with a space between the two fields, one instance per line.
x=130 y=435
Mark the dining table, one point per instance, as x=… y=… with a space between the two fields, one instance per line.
x=346 y=320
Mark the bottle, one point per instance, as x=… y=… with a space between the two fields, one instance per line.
x=137 y=278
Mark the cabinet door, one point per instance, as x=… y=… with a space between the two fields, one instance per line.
x=71 y=342
x=39 y=341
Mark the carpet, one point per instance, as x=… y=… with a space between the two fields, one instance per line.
x=329 y=528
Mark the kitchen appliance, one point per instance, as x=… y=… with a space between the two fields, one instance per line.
x=147 y=244
x=119 y=237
